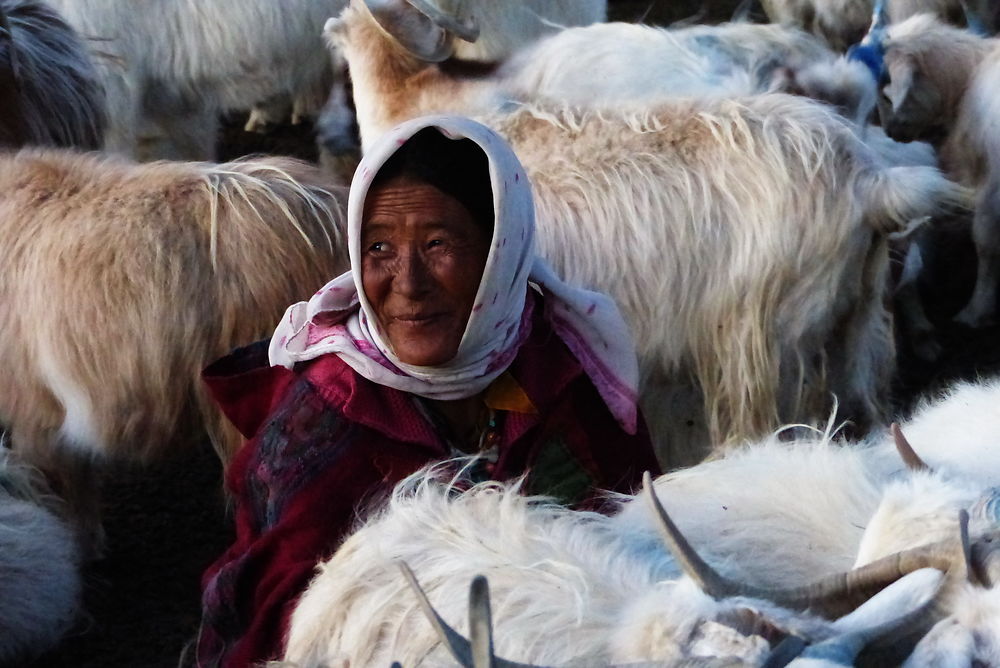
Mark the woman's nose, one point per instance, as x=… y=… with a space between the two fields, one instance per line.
x=413 y=278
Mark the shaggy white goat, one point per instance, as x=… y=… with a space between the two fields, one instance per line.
x=721 y=228
x=50 y=89
x=170 y=68
x=123 y=281
x=570 y=588
x=943 y=85
x=821 y=507
x=773 y=516
x=564 y=589
x=40 y=583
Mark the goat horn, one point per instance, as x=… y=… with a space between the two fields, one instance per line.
x=906 y=451
x=832 y=596
x=467 y=654
x=480 y=623
x=707 y=579
x=467 y=31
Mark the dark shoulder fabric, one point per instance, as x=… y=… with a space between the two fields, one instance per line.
x=245 y=386
x=297 y=485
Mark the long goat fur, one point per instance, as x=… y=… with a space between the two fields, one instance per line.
x=170 y=68
x=39 y=567
x=56 y=97
x=645 y=63
x=563 y=586
x=571 y=586
x=818 y=506
x=123 y=281
x=741 y=238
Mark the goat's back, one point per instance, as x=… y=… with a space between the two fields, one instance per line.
x=123 y=281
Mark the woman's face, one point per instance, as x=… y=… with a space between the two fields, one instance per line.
x=423 y=256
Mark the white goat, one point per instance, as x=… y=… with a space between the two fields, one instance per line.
x=170 y=68
x=843 y=22
x=503 y=28
x=721 y=227
x=585 y=587
x=943 y=86
x=123 y=281
x=568 y=588
x=50 y=89
x=39 y=567
x=837 y=505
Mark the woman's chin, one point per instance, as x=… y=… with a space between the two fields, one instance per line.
x=423 y=344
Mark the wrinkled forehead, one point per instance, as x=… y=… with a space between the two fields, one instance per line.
x=409 y=206
x=430 y=165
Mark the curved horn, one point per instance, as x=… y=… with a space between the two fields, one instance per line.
x=456 y=644
x=707 y=579
x=479 y=652
x=831 y=596
x=411 y=29
x=884 y=638
x=467 y=30
x=906 y=451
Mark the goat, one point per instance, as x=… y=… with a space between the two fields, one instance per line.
x=51 y=92
x=942 y=86
x=751 y=530
x=39 y=566
x=568 y=588
x=843 y=22
x=169 y=69
x=732 y=504
x=504 y=27
x=621 y=191
x=123 y=281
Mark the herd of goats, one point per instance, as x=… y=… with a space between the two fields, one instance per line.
x=736 y=188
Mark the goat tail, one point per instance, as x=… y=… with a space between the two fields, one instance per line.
x=897 y=198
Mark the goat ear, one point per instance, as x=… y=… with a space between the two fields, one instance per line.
x=901 y=73
x=411 y=29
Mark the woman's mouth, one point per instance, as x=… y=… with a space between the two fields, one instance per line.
x=417 y=319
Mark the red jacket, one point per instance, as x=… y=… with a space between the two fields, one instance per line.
x=325 y=443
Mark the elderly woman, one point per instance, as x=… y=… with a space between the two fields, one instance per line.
x=447 y=337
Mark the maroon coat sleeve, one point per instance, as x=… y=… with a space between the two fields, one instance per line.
x=297 y=486
x=246 y=387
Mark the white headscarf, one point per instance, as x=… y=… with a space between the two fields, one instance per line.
x=340 y=320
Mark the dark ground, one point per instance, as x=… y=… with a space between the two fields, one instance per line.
x=166 y=524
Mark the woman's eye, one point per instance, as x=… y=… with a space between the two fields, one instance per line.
x=376 y=247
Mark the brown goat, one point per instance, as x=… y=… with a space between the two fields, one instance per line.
x=122 y=281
